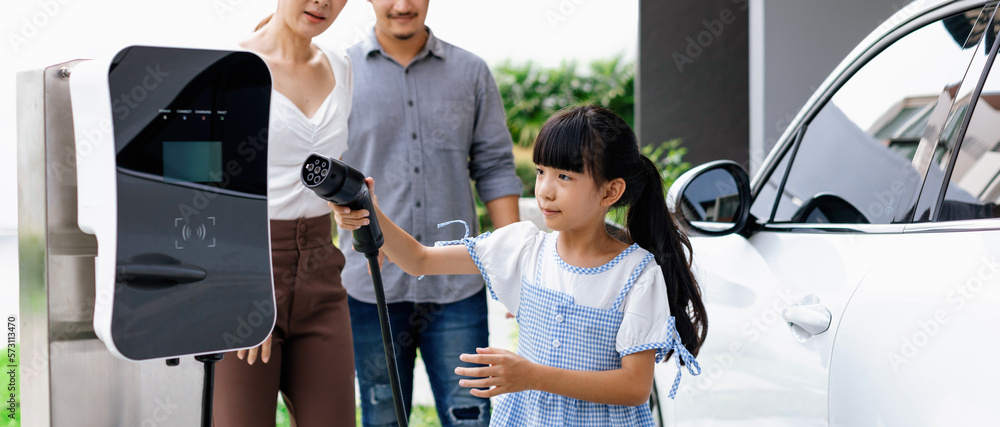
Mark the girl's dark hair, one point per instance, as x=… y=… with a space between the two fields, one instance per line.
x=594 y=140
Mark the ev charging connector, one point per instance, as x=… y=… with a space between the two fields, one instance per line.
x=343 y=185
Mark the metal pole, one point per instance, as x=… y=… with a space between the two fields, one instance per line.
x=68 y=378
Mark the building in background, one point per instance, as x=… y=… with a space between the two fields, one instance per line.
x=728 y=76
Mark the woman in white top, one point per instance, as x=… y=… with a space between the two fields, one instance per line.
x=308 y=357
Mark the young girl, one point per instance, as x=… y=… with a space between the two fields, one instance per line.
x=595 y=313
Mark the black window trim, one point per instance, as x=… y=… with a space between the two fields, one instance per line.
x=960 y=138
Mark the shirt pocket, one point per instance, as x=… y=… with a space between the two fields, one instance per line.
x=452 y=123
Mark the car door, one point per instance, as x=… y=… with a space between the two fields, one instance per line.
x=831 y=204
x=912 y=348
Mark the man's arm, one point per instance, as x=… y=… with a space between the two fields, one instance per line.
x=491 y=160
x=503 y=210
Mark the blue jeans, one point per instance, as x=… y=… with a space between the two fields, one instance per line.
x=442 y=332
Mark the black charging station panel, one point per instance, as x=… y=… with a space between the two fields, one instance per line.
x=193 y=270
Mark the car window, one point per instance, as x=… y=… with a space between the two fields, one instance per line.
x=973 y=190
x=863 y=155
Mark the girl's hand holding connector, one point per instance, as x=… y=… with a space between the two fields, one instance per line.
x=352 y=220
x=348 y=219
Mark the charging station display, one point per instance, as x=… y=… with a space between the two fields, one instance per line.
x=192 y=161
x=192 y=272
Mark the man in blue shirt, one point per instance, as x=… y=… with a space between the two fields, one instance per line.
x=427 y=118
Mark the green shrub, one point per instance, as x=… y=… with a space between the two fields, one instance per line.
x=669 y=159
x=531 y=93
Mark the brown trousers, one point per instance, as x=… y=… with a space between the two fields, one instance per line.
x=312 y=360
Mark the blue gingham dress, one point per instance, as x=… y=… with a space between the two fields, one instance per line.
x=558 y=332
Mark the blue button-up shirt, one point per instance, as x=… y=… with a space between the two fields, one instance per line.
x=423 y=132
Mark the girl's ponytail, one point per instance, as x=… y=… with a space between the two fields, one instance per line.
x=652 y=227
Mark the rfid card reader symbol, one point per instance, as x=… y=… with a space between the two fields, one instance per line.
x=188 y=233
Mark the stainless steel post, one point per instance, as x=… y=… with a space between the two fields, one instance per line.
x=68 y=377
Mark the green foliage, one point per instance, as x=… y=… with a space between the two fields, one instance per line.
x=668 y=157
x=423 y=416
x=532 y=93
x=281 y=417
x=526 y=171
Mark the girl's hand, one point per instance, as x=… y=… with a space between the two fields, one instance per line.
x=264 y=349
x=506 y=372
x=349 y=219
x=353 y=220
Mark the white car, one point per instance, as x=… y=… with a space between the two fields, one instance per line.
x=855 y=280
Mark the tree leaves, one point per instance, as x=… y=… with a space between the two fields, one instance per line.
x=532 y=93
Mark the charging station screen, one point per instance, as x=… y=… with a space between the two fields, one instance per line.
x=192 y=161
x=192 y=118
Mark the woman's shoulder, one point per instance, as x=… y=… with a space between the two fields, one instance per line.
x=340 y=62
x=335 y=55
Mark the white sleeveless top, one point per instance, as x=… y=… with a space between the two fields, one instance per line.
x=292 y=137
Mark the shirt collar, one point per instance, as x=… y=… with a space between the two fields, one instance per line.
x=434 y=46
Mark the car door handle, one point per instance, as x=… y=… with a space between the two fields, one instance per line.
x=807 y=320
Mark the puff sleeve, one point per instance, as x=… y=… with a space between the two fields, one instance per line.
x=503 y=257
x=648 y=324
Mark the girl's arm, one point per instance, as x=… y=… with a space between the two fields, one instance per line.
x=413 y=257
x=508 y=372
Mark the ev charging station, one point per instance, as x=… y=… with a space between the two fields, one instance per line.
x=143 y=231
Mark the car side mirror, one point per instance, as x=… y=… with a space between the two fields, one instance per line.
x=712 y=199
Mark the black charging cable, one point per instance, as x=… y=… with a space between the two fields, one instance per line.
x=343 y=185
x=390 y=351
x=209 y=386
